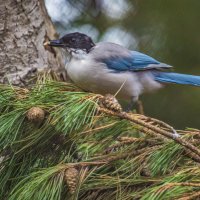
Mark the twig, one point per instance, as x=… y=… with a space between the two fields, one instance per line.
x=123 y=141
x=191 y=196
x=154 y=129
x=97 y=129
x=162 y=124
x=83 y=164
x=192 y=155
x=189 y=184
x=111 y=158
x=107 y=159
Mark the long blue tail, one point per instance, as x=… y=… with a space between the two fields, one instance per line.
x=170 y=77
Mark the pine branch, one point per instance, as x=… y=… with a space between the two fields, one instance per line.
x=153 y=129
x=59 y=142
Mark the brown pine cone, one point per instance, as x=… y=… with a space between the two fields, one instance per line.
x=35 y=114
x=110 y=102
x=71 y=178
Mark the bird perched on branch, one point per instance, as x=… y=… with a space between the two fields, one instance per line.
x=110 y=68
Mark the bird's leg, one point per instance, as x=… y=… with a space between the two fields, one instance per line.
x=139 y=107
x=130 y=107
x=136 y=104
x=175 y=134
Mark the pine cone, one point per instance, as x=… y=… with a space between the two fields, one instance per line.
x=111 y=103
x=71 y=178
x=35 y=114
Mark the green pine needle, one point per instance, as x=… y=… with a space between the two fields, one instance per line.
x=34 y=157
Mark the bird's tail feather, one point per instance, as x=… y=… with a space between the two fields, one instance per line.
x=170 y=77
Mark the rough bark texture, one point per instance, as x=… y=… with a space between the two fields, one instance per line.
x=24 y=26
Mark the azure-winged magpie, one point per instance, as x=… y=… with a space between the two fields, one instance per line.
x=110 y=68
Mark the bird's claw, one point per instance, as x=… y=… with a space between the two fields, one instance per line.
x=175 y=134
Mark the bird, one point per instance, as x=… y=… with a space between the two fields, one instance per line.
x=109 y=68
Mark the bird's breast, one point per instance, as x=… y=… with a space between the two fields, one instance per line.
x=81 y=73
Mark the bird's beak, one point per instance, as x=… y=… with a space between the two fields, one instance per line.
x=54 y=43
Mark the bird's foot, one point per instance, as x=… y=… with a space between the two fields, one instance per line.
x=175 y=134
x=139 y=107
x=135 y=106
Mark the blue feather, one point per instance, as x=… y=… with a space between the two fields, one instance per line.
x=142 y=60
x=169 y=77
x=135 y=62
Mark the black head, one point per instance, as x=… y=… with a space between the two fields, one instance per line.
x=74 y=41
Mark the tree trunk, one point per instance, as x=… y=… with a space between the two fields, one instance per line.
x=24 y=26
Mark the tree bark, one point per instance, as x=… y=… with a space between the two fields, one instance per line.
x=24 y=27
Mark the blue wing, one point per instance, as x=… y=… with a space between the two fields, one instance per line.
x=136 y=61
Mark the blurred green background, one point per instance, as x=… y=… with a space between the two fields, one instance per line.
x=168 y=30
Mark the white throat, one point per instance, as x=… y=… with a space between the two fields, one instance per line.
x=78 y=54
